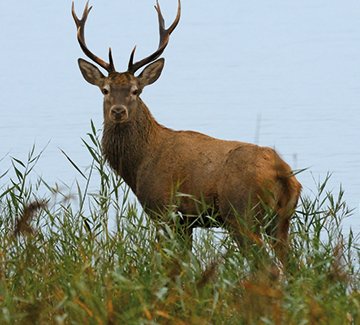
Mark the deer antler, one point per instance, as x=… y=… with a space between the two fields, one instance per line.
x=164 y=40
x=80 y=24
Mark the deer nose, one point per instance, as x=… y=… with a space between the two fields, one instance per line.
x=119 y=112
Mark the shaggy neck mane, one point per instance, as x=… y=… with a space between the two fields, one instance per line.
x=125 y=146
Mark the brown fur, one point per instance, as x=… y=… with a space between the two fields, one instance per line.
x=242 y=183
x=229 y=175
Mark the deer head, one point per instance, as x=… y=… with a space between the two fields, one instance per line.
x=121 y=90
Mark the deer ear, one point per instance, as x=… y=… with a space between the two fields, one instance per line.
x=91 y=73
x=151 y=73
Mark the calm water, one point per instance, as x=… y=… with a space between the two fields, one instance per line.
x=280 y=73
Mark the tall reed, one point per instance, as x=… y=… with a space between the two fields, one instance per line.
x=89 y=255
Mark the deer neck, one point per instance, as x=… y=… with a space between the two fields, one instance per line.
x=126 y=146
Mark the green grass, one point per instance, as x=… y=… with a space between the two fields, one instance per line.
x=61 y=262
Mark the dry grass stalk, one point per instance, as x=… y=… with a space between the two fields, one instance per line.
x=22 y=225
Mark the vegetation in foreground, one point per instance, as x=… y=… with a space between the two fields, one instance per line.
x=62 y=263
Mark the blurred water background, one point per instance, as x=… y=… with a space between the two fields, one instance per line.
x=284 y=74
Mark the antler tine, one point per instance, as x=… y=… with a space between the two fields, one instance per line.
x=161 y=18
x=80 y=25
x=163 y=42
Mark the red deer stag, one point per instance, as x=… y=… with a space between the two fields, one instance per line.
x=236 y=179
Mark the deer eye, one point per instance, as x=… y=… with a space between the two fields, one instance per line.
x=135 y=91
x=105 y=90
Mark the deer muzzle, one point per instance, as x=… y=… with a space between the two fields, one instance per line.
x=119 y=113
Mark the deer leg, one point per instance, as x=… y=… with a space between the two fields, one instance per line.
x=281 y=241
x=185 y=233
x=243 y=235
x=188 y=237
